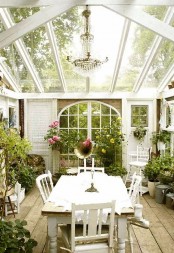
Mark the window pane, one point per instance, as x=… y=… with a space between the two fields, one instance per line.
x=64 y=121
x=82 y=121
x=72 y=121
x=95 y=121
x=139 y=115
x=105 y=109
x=83 y=109
x=105 y=120
x=73 y=109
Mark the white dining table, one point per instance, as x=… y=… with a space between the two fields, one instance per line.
x=72 y=189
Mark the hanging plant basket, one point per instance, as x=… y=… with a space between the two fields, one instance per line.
x=139 y=133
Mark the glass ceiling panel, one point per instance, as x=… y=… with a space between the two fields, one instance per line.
x=136 y=52
x=105 y=44
x=69 y=44
x=163 y=61
x=106 y=27
x=41 y=54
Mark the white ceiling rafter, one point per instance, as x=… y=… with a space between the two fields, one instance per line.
x=153 y=51
x=47 y=14
x=42 y=3
x=119 y=56
x=27 y=25
x=144 y=19
x=21 y=48
x=166 y=79
x=10 y=79
x=55 y=50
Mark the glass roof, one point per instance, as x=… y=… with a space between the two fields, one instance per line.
x=36 y=61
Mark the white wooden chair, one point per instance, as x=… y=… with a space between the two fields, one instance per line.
x=138 y=220
x=88 y=169
x=45 y=185
x=12 y=200
x=134 y=189
x=92 y=238
x=137 y=165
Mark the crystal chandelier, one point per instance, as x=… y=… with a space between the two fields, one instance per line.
x=86 y=65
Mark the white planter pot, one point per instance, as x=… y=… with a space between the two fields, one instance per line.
x=22 y=195
x=161 y=145
x=151 y=188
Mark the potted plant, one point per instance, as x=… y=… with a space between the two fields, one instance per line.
x=151 y=172
x=14 y=151
x=160 y=139
x=139 y=133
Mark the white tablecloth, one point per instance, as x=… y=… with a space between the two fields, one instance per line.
x=71 y=189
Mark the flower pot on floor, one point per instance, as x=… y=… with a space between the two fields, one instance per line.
x=151 y=188
x=160 y=191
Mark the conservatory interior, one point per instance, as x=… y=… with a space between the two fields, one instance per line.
x=87 y=85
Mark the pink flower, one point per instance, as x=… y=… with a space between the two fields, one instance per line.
x=51 y=141
x=56 y=138
x=87 y=143
x=54 y=124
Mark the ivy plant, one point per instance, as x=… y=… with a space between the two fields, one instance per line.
x=15 y=238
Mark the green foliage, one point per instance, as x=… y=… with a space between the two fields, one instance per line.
x=15 y=150
x=38 y=44
x=162 y=136
x=152 y=169
x=158 y=166
x=25 y=175
x=115 y=170
x=143 y=39
x=62 y=140
x=140 y=133
x=108 y=141
x=15 y=238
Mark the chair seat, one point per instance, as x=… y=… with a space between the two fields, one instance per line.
x=138 y=163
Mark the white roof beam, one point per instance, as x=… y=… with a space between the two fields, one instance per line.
x=166 y=79
x=31 y=23
x=122 y=45
x=42 y=3
x=49 y=13
x=10 y=79
x=21 y=48
x=153 y=51
x=55 y=50
x=145 y=20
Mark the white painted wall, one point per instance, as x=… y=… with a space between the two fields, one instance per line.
x=38 y=116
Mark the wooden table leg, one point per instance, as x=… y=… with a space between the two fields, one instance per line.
x=52 y=234
x=121 y=233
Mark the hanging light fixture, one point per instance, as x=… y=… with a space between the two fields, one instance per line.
x=86 y=65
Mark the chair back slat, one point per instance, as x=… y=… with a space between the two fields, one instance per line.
x=88 y=169
x=143 y=153
x=45 y=185
x=135 y=188
x=92 y=222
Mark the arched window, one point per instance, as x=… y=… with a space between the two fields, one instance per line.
x=86 y=118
